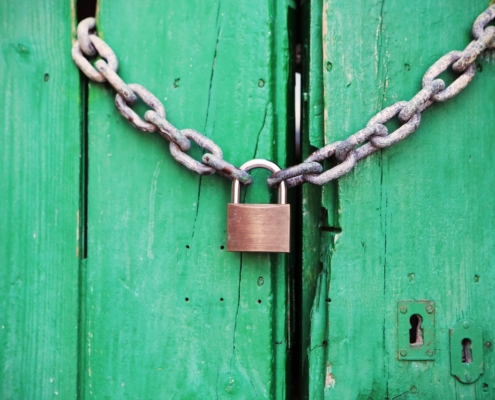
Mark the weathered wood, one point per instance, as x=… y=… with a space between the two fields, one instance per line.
x=171 y=314
x=39 y=173
x=417 y=219
x=313 y=276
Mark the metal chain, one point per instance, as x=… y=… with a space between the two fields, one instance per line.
x=90 y=45
x=376 y=136
x=373 y=137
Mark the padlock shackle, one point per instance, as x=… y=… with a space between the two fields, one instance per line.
x=259 y=163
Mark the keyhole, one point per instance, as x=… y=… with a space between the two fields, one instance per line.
x=416 y=333
x=467 y=355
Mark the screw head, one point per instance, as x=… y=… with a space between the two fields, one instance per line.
x=429 y=352
x=403 y=309
x=468 y=378
x=488 y=345
x=403 y=353
x=429 y=309
x=465 y=324
x=413 y=389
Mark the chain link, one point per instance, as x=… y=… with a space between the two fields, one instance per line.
x=149 y=99
x=102 y=49
x=348 y=153
x=203 y=142
x=90 y=45
x=375 y=136
x=440 y=66
x=480 y=23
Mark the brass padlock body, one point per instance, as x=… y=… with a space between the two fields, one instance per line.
x=258 y=228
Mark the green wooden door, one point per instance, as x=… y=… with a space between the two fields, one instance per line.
x=412 y=222
x=115 y=278
x=168 y=312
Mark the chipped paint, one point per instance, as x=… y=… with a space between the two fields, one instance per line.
x=329 y=377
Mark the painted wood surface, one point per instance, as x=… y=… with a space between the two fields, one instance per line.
x=145 y=302
x=416 y=220
x=39 y=199
x=314 y=278
x=168 y=312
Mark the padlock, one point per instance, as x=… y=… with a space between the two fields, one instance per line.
x=258 y=227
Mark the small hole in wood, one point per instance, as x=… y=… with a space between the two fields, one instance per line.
x=329 y=300
x=187 y=246
x=221 y=298
x=259 y=301
x=222 y=247
x=187 y=299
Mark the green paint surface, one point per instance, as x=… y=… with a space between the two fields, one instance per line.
x=39 y=199
x=145 y=302
x=139 y=298
x=417 y=219
x=168 y=312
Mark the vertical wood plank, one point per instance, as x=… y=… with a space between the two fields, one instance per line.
x=39 y=199
x=416 y=219
x=314 y=278
x=352 y=88
x=171 y=314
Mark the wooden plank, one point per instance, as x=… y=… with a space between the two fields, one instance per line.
x=171 y=314
x=314 y=279
x=40 y=144
x=417 y=220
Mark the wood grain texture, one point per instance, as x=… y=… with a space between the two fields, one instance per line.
x=39 y=199
x=312 y=275
x=169 y=313
x=417 y=219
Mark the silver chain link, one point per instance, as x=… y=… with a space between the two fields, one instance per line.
x=376 y=136
x=373 y=137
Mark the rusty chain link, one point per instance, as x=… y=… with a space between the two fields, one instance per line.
x=90 y=45
x=376 y=136
x=373 y=137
